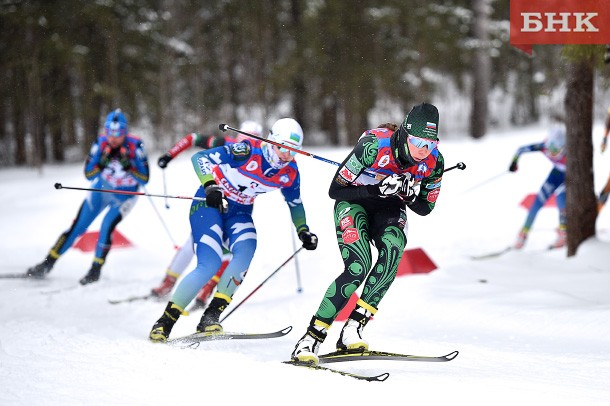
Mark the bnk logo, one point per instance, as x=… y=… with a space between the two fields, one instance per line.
x=562 y=22
x=559 y=22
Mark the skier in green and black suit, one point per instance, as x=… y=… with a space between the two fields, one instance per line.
x=391 y=168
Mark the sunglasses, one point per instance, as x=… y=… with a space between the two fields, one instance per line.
x=418 y=142
x=284 y=150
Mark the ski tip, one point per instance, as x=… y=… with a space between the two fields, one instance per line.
x=452 y=355
x=286 y=330
x=300 y=363
x=380 y=378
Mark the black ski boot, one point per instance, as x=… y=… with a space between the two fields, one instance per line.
x=40 y=270
x=93 y=275
x=161 y=329
x=210 y=320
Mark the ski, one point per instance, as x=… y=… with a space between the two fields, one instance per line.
x=131 y=299
x=359 y=355
x=496 y=254
x=60 y=290
x=15 y=276
x=196 y=338
x=490 y=255
x=371 y=378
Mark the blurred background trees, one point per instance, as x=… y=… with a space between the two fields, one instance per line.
x=338 y=67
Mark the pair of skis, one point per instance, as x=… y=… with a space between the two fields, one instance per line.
x=193 y=341
x=361 y=355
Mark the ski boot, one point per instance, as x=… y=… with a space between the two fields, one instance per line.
x=351 y=334
x=209 y=322
x=308 y=346
x=521 y=238
x=562 y=237
x=161 y=329
x=40 y=270
x=166 y=285
x=93 y=275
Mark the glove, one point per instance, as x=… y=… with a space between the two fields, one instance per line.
x=309 y=239
x=408 y=192
x=604 y=144
x=513 y=166
x=215 y=198
x=393 y=184
x=164 y=160
x=124 y=158
x=105 y=157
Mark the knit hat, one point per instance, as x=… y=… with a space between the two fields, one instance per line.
x=422 y=121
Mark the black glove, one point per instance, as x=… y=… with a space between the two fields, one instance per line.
x=309 y=239
x=164 y=160
x=105 y=157
x=513 y=166
x=123 y=157
x=215 y=198
x=407 y=191
x=392 y=184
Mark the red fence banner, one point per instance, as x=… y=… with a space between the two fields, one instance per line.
x=534 y=22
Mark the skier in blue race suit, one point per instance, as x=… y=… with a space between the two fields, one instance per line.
x=553 y=147
x=185 y=254
x=116 y=161
x=231 y=178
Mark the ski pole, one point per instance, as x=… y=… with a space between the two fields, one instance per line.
x=485 y=182
x=127 y=192
x=165 y=189
x=161 y=220
x=262 y=283
x=225 y=127
x=460 y=165
x=296 y=264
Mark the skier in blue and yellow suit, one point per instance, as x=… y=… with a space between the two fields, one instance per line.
x=116 y=161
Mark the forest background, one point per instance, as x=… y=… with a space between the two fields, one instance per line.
x=338 y=67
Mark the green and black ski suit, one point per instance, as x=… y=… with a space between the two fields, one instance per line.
x=362 y=216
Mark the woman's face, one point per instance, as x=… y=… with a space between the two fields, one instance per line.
x=284 y=154
x=420 y=148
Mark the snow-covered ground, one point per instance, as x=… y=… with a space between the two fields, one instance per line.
x=532 y=327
